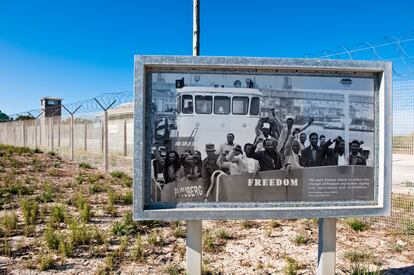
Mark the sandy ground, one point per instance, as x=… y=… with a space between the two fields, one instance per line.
x=230 y=247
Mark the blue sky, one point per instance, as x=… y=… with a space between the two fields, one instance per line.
x=80 y=49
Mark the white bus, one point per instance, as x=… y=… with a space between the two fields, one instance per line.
x=207 y=114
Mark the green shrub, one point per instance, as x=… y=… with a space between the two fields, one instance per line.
x=79 y=233
x=128 y=197
x=79 y=200
x=9 y=222
x=51 y=238
x=46 y=262
x=137 y=253
x=57 y=214
x=38 y=151
x=126 y=227
x=172 y=270
x=291 y=266
x=156 y=238
x=274 y=224
x=86 y=213
x=301 y=239
x=247 y=224
x=125 y=179
x=5 y=248
x=85 y=165
x=17 y=188
x=47 y=195
x=30 y=211
x=356 y=224
x=223 y=234
x=407 y=227
x=96 y=188
x=65 y=248
x=179 y=233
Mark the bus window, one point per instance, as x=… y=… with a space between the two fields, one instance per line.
x=187 y=104
x=222 y=105
x=255 y=106
x=240 y=105
x=178 y=104
x=203 y=104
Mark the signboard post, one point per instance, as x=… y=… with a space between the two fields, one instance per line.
x=261 y=138
x=194 y=249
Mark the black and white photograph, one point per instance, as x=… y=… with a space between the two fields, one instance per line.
x=222 y=137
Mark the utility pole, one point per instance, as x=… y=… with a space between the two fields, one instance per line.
x=196 y=28
x=194 y=227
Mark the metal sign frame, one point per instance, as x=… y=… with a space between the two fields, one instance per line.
x=145 y=65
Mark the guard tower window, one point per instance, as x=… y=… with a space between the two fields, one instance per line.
x=255 y=106
x=203 y=104
x=240 y=105
x=187 y=104
x=222 y=105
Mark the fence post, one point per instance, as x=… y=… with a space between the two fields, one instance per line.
x=106 y=140
x=72 y=142
x=327 y=246
x=40 y=133
x=193 y=247
x=85 y=145
x=24 y=133
x=102 y=137
x=105 y=131
x=125 y=138
x=14 y=132
x=59 y=120
x=52 y=134
x=35 y=130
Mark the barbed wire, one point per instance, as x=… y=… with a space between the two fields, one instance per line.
x=399 y=50
x=84 y=106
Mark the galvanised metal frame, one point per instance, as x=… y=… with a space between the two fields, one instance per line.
x=381 y=72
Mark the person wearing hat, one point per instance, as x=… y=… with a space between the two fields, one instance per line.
x=209 y=165
x=355 y=158
x=263 y=131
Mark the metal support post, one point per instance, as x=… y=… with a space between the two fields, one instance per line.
x=105 y=132
x=194 y=247
x=52 y=135
x=24 y=133
x=327 y=246
x=59 y=121
x=194 y=227
x=106 y=140
x=72 y=141
x=35 y=134
x=125 y=139
x=85 y=145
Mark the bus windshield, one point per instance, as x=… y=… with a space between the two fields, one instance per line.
x=222 y=105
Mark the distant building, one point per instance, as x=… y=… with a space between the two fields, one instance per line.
x=52 y=106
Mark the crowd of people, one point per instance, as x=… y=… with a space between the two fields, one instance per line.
x=276 y=146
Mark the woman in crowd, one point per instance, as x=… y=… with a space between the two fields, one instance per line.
x=173 y=170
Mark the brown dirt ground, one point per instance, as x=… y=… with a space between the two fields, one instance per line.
x=230 y=247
